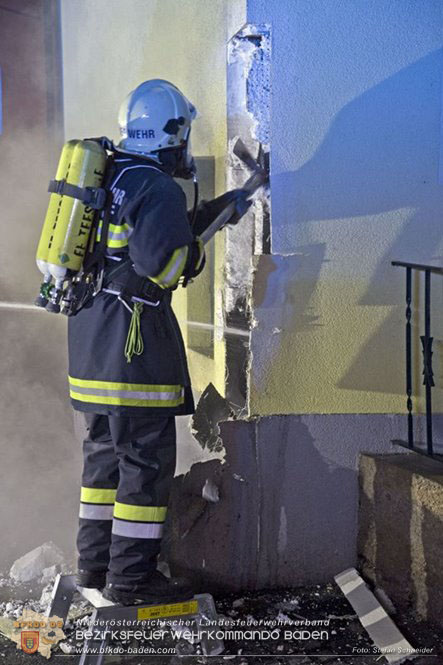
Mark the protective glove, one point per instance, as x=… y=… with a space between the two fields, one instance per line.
x=240 y=199
x=196 y=261
x=208 y=211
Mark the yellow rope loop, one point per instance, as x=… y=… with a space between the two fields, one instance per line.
x=134 y=341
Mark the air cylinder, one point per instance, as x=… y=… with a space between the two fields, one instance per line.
x=67 y=226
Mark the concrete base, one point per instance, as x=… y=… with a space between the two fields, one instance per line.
x=400 y=540
x=288 y=507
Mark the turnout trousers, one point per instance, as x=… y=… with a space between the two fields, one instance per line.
x=128 y=467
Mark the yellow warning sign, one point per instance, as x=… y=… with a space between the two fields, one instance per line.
x=173 y=610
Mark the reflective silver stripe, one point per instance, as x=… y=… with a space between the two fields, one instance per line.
x=124 y=235
x=89 y=511
x=100 y=392
x=172 y=274
x=137 y=529
x=121 y=235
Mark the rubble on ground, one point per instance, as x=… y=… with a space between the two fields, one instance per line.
x=279 y=609
x=39 y=562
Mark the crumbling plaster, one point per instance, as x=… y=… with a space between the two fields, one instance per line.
x=287 y=501
x=248 y=107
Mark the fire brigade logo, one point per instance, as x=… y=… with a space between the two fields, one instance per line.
x=30 y=639
x=36 y=632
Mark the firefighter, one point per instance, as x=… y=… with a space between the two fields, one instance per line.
x=127 y=364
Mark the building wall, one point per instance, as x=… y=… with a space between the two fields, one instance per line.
x=355 y=141
x=109 y=47
x=287 y=513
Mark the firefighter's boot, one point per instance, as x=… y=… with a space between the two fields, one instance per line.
x=158 y=589
x=91 y=579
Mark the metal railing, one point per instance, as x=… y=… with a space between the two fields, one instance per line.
x=428 y=447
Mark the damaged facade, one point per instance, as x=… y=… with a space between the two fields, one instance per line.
x=318 y=380
x=294 y=332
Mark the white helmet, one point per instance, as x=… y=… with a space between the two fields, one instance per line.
x=155 y=116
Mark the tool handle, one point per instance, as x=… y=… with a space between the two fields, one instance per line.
x=222 y=219
x=251 y=185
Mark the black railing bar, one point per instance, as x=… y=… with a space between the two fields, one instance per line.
x=409 y=404
x=420 y=451
x=428 y=361
x=418 y=266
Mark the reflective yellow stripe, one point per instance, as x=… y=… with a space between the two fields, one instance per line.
x=116 y=244
x=118 y=235
x=125 y=394
x=118 y=228
x=114 y=228
x=126 y=401
x=125 y=511
x=170 y=275
x=115 y=385
x=93 y=495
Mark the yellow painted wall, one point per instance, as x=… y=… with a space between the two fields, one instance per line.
x=317 y=347
x=110 y=46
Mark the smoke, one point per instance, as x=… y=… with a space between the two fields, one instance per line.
x=39 y=456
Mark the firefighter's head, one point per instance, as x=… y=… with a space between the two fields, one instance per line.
x=155 y=120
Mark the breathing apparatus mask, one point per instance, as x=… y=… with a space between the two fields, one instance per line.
x=178 y=162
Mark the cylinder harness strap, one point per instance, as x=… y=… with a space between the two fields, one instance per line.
x=94 y=197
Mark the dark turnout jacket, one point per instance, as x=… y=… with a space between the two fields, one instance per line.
x=149 y=224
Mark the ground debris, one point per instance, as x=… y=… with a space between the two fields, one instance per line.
x=39 y=562
x=282 y=609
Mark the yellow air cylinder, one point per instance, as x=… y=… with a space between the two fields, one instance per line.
x=67 y=226
x=69 y=241
x=53 y=213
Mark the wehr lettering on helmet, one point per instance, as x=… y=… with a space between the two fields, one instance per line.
x=141 y=133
